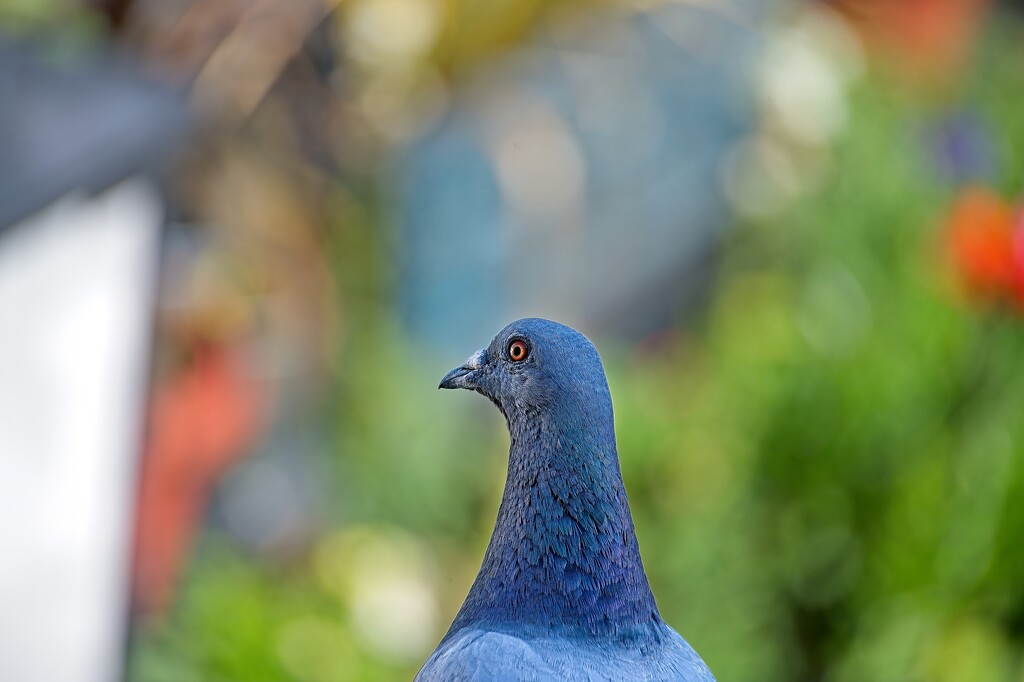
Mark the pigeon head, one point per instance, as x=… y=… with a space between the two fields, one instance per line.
x=537 y=368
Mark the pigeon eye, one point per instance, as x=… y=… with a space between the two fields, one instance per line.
x=518 y=350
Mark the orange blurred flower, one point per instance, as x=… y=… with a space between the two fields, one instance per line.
x=986 y=243
x=1018 y=258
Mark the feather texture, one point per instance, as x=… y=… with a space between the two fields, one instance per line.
x=562 y=593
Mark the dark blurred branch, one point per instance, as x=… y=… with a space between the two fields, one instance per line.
x=116 y=11
x=244 y=65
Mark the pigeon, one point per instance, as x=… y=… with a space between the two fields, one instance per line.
x=562 y=593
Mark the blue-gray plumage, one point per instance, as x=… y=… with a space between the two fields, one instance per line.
x=562 y=593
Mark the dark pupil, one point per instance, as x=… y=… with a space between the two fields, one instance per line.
x=517 y=351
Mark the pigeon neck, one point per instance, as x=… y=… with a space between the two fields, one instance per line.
x=563 y=555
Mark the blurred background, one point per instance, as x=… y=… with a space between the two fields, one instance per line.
x=793 y=230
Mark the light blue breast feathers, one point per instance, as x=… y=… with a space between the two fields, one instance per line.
x=474 y=655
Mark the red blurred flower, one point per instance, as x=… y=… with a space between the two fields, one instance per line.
x=987 y=245
x=927 y=40
x=202 y=419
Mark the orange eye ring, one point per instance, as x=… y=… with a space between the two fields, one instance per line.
x=518 y=350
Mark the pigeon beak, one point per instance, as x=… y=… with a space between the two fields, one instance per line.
x=462 y=377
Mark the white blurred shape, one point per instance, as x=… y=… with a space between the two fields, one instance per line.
x=802 y=89
x=391 y=596
x=759 y=177
x=833 y=38
x=75 y=306
x=384 y=31
x=540 y=166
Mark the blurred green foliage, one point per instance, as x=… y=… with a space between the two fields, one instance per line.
x=825 y=473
